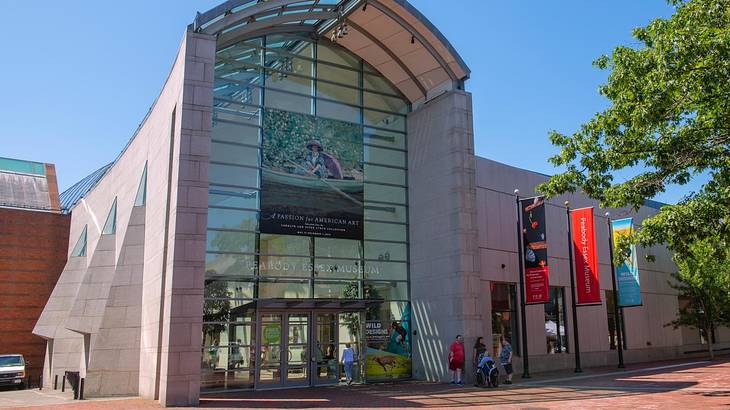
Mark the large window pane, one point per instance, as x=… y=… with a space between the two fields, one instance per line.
x=338 y=268
x=233 y=198
x=504 y=317
x=385 y=103
x=285 y=245
x=375 y=173
x=337 y=248
x=230 y=264
x=555 y=324
x=282 y=65
x=288 y=102
x=395 y=122
x=218 y=311
x=378 y=83
x=234 y=154
x=339 y=75
x=232 y=219
x=385 y=232
x=238 y=85
x=233 y=175
x=383 y=251
x=384 y=193
x=334 y=54
x=338 y=93
x=240 y=114
x=384 y=156
x=386 y=270
x=280 y=289
x=336 y=290
x=388 y=311
x=227 y=241
x=327 y=109
x=216 y=288
x=386 y=290
x=238 y=133
x=387 y=213
x=285 y=266
x=384 y=138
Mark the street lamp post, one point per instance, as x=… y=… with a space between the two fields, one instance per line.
x=616 y=319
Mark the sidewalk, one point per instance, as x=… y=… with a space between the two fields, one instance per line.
x=685 y=384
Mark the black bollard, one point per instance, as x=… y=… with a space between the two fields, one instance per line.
x=55 y=382
x=63 y=383
x=81 y=389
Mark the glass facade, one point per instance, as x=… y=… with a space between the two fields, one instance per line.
x=294 y=74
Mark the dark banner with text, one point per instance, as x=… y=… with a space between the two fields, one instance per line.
x=537 y=278
x=587 y=285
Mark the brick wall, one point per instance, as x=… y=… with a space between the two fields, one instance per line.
x=33 y=250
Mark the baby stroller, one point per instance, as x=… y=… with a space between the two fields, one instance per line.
x=487 y=372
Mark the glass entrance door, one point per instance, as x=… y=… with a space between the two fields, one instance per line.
x=325 y=363
x=298 y=349
x=296 y=361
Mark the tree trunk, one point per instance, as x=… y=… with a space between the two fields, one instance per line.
x=709 y=343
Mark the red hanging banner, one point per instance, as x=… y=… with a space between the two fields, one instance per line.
x=587 y=283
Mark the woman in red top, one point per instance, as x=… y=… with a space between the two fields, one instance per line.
x=456 y=360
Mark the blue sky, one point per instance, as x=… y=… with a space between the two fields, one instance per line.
x=79 y=76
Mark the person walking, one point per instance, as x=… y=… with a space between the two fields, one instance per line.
x=505 y=359
x=348 y=360
x=456 y=360
x=479 y=349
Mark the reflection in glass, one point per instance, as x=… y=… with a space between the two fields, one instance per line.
x=296 y=290
x=285 y=266
x=285 y=245
x=229 y=264
x=227 y=241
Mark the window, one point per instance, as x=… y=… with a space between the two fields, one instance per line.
x=80 y=247
x=557 y=339
x=110 y=226
x=504 y=316
x=612 y=336
x=141 y=198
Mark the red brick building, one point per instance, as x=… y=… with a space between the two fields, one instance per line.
x=33 y=251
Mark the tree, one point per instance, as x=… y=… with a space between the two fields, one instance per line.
x=703 y=280
x=668 y=123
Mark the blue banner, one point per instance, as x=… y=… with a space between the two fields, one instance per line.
x=627 y=272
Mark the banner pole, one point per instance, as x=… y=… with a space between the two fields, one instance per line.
x=616 y=319
x=576 y=338
x=523 y=321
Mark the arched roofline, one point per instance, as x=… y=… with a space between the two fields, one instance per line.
x=391 y=35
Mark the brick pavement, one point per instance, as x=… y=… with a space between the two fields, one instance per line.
x=689 y=385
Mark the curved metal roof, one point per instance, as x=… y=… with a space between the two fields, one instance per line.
x=71 y=196
x=391 y=35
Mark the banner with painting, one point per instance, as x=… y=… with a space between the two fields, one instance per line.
x=389 y=348
x=627 y=272
x=534 y=252
x=311 y=176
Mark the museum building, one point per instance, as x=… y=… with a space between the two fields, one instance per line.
x=306 y=179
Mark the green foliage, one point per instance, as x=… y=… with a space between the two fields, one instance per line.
x=286 y=135
x=703 y=280
x=669 y=120
x=216 y=310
